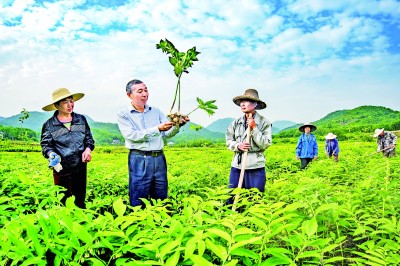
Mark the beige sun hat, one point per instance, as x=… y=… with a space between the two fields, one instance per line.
x=252 y=95
x=378 y=132
x=60 y=94
x=330 y=136
x=311 y=126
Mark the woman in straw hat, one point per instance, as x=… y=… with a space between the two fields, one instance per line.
x=260 y=140
x=332 y=146
x=307 y=147
x=386 y=142
x=67 y=142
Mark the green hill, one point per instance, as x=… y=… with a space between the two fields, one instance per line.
x=358 y=123
x=189 y=135
x=220 y=125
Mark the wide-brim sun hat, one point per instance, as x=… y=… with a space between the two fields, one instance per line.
x=330 y=136
x=311 y=126
x=60 y=94
x=250 y=95
x=378 y=131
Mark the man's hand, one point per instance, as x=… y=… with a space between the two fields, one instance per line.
x=250 y=121
x=165 y=126
x=243 y=146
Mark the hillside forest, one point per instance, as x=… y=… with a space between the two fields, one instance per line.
x=355 y=124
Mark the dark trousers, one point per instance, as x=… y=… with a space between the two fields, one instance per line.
x=305 y=162
x=252 y=178
x=147 y=177
x=390 y=154
x=335 y=157
x=74 y=181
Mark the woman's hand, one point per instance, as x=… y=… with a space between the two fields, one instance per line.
x=86 y=155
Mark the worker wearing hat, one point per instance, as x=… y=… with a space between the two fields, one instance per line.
x=67 y=143
x=260 y=139
x=386 y=142
x=332 y=146
x=307 y=148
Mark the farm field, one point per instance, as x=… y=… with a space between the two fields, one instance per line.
x=345 y=213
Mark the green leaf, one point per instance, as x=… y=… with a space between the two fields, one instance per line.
x=178 y=70
x=221 y=234
x=218 y=250
x=190 y=247
x=168 y=248
x=81 y=233
x=310 y=227
x=244 y=252
x=173 y=260
x=200 y=261
x=200 y=101
x=246 y=242
x=119 y=207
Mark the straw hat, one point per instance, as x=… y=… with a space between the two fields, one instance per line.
x=330 y=136
x=311 y=126
x=60 y=94
x=378 y=132
x=251 y=95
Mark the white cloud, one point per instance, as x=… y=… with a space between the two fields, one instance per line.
x=298 y=56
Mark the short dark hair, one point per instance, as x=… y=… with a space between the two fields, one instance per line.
x=130 y=83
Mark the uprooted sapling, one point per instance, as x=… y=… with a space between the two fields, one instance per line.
x=178 y=119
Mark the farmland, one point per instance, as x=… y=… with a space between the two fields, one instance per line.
x=344 y=213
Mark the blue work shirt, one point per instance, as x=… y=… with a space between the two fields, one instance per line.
x=332 y=146
x=307 y=147
x=140 y=130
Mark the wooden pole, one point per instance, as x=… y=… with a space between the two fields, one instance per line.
x=244 y=159
x=379 y=151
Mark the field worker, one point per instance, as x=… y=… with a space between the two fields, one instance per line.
x=260 y=140
x=332 y=146
x=144 y=127
x=386 y=142
x=67 y=142
x=307 y=148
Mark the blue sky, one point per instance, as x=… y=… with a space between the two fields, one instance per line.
x=305 y=58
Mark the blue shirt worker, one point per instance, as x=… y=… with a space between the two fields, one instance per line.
x=260 y=140
x=144 y=127
x=307 y=148
x=332 y=146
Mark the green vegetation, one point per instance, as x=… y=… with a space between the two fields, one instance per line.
x=356 y=124
x=344 y=213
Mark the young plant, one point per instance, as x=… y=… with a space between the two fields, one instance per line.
x=181 y=62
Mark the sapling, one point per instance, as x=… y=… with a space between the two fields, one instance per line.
x=181 y=62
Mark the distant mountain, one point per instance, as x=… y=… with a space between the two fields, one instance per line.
x=362 y=120
x=189 y=133
x=106 y=133
x=1 y=118
x=283 y=124
x=34 y=121
x=102 y=132
x=220 y=125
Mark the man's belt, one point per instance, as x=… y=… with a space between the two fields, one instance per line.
x=148 y=153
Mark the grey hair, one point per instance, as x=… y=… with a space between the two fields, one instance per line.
x=131 y=83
